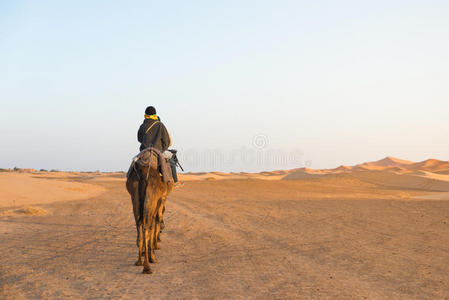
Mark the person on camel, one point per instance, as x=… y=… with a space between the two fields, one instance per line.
x=153 y=133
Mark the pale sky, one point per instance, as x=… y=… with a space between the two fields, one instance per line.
x=240 y=85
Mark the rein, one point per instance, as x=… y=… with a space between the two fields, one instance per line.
x=149 y=163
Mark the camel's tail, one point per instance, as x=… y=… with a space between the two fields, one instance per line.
x=142 y=198
x=144 y=208
x=145 y=202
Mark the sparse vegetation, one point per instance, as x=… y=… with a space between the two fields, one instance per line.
x=25 y=211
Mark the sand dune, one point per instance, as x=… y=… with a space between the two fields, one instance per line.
x=432 y=165
x=19 y=189
x=395 y=164
x=385 y=163
x=392 y=164
x=342 y=169
x=301 y=174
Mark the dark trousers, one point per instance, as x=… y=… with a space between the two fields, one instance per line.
x=173 y=169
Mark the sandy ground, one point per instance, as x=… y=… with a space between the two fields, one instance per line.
x=19 y=189
x=341 y=236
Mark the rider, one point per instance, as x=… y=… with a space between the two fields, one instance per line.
x=153 y=133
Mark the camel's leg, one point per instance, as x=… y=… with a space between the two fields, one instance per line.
x=156 y=234
x=162 y=224
x=146 y=263
x=157 y=230
x=151 y=240
x=132 y=185
x=139 y=244
x=162 y=213
x=139 y=228
x=161 y=218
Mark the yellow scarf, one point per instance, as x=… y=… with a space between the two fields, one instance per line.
x=152 y=117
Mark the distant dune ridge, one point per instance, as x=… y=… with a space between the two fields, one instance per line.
x=392 y=163
x=386 y=164
x=430 y=175
x=390 y=172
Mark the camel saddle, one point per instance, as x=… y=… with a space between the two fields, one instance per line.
x=158 y=161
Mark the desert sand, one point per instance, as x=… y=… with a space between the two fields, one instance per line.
x=377 y=230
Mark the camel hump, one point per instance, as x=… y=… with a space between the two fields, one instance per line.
x=156 y=160
x=144 y=157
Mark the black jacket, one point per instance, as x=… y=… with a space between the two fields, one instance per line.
x=156 y=136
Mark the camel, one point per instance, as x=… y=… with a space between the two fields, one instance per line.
x=148 y=195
